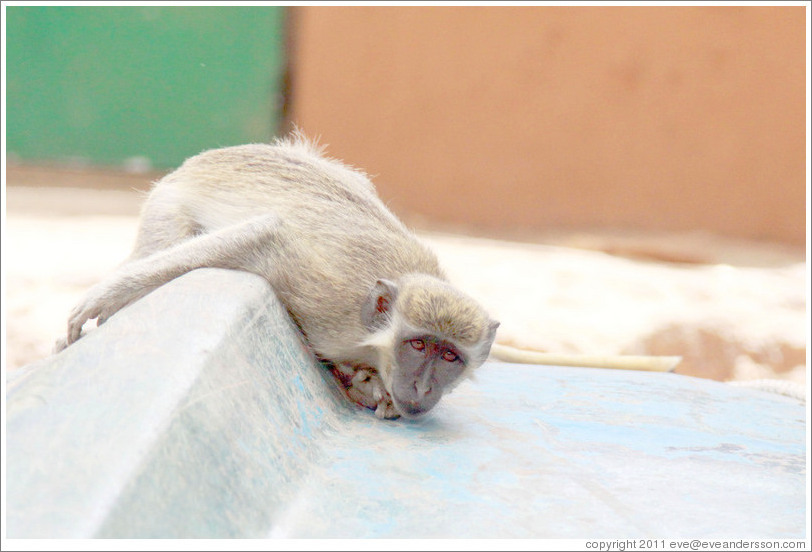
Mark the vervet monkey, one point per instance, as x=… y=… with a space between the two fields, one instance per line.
x=369 y=297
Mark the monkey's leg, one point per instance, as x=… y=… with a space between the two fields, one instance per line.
x=162 y=225
x=246 y=246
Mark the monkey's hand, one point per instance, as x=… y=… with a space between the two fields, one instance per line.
x=367 y=389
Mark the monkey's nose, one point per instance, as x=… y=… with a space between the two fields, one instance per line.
x=421 y=390
x=422 y=384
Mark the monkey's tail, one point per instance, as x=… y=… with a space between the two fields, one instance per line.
x=617 y=362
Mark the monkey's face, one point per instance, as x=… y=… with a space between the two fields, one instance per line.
x=425 y=367
x=429 y=337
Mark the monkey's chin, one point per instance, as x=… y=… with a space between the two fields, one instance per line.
x=411 y=410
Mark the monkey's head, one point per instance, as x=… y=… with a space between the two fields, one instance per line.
x=429 y=337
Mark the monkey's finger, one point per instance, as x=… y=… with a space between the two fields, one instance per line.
x=361 y=376
x=74 y=331
x=73 y=335
x=76 y=321
x=60 y=345
x=386 y=411
x=359 y=397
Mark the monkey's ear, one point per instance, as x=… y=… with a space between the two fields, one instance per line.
x=492 y=327
x=376 y=309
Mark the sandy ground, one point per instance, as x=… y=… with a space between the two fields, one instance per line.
x=732 y=310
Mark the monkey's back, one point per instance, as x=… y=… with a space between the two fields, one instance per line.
x=335 y=237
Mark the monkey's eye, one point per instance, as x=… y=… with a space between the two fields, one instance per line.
x=417 y=344
x=450 y=356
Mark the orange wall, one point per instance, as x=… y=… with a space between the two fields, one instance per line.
x=661 y=118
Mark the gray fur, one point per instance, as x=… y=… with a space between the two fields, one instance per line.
x=318 y=233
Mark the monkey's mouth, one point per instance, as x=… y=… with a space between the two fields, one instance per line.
x=415 y=409
x=410 y=411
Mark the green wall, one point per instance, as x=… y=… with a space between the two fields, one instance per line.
x=106 y=84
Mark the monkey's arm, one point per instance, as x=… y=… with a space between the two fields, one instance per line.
x=244 y=246
x=618 y=362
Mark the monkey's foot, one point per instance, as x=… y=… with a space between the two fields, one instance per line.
x=101 y=302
